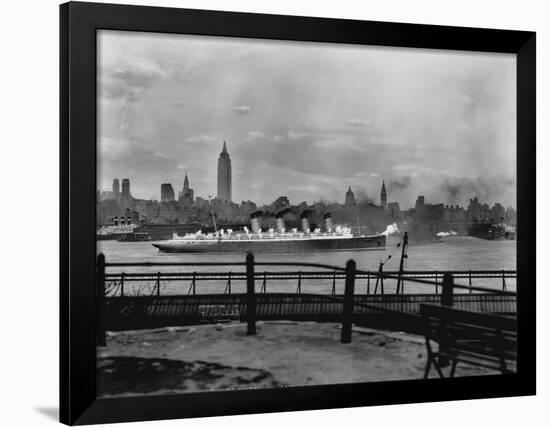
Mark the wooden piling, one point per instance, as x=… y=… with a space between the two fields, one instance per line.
x=100 y=302
x=347 y=315
x=250 y=295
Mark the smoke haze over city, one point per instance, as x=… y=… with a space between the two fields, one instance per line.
x=305 y=120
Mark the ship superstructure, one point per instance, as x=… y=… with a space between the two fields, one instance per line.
x=274 y=240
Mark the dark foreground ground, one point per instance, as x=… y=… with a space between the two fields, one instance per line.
x=223 y=357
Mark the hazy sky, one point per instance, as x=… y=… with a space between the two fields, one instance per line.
x=305 y=120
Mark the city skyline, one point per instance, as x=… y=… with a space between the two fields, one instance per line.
x=348 y=198
x=167 y=102
x=224 y=190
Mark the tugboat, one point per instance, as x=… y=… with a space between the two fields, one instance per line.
x=281 y=240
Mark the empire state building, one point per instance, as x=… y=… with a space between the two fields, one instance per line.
x=224 y=175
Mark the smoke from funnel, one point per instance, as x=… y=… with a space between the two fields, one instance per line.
x=328 y=222
x=255 y=221
x=305 y=221
x=390 y=229
x=279 y=220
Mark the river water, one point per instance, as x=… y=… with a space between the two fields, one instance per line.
x=454 y=253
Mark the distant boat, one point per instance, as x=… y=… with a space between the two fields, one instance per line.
x=491 y=231
x=114 y=232
x=134 y=237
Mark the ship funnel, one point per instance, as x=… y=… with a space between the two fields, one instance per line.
x=305 y=220
x=255 y=221
x=328 y=222
x=115 y=220
x=280 y=220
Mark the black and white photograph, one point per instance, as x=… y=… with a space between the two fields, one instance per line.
x=280 y=214
x=242 y=213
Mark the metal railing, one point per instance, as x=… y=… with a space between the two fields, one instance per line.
x=113 y=284
x=374 y=282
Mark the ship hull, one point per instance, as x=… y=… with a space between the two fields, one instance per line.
x=270 y=246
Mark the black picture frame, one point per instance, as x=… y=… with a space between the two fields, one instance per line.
x=78 y=25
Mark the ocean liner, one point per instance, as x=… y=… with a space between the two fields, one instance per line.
x=280 y=240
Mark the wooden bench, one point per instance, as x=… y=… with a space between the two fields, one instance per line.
x=479 y=339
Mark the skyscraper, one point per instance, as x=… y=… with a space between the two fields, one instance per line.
x=383 y=196
x=224 y=175
x=167 y=193
x=125 y=188
x=187 y=195
x=116 y=189
x=350 y=197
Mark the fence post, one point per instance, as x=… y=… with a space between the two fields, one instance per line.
x=446 y=300
x=334 y=283
x=299 y=287
x=100 y=301
x=470 y=281
x=229 y=283
x=158 y=284
x=250 y=295
x=368 y=282
x=447 y=290
x=121 y=282
x=503 y=281
x=347 y=315
x=381 y=270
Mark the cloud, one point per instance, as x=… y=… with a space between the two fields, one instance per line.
x=487 y=189
x=242 y=109
x=399 y=183
x=255 y=135
x=129 y=84
x=201 y=138
x=342 y=142
x=357 y=123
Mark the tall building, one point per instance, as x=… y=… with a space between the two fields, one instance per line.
x=116 y=189
x=126 y=200
x=186 y=183
x=224 y=175
x=383 y=196
x=125 y=188
x=350 y=197
x=420 y=204
x=187 y=195
x=167 y=193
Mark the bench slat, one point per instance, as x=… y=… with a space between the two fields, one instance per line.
x=479 y=339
